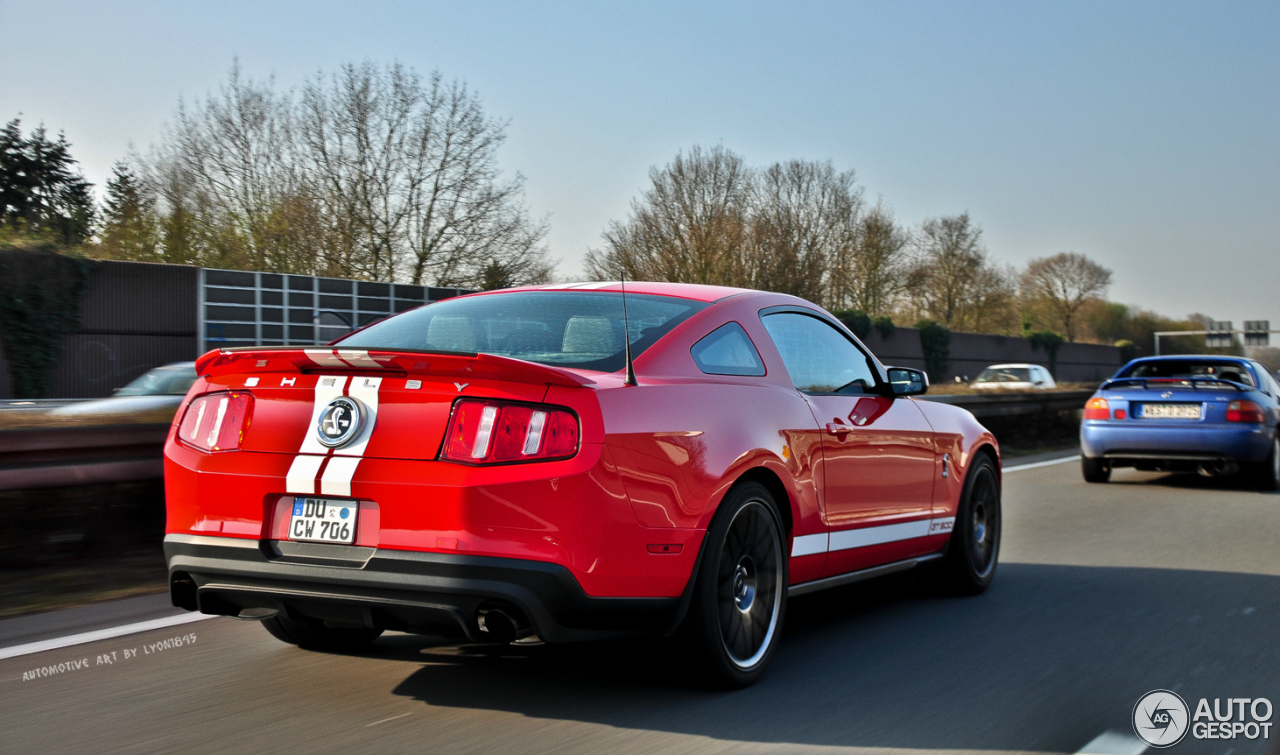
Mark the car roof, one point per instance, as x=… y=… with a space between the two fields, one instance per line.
x=693 y=291
x=1197 y=357
x=1011 y=364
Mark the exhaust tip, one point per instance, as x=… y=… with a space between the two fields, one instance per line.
x=256 y=614
x=496 y=625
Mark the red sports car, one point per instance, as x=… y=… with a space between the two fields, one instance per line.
x=547 y=464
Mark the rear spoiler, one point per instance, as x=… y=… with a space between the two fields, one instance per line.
x=1195 y=383
x=427 y=363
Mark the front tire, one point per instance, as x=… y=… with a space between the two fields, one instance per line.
x=1095 y=470
x=974 y=549
x=314 y=635
x=740 y=592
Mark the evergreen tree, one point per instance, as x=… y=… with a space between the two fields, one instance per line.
x=40 y=192
x=130 y=229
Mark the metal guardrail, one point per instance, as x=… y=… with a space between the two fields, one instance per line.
x=1012 y=404
x=43 y=457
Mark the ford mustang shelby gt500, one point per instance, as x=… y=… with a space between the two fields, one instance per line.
x=545 y=464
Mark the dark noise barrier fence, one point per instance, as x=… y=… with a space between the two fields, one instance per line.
x=136 y=316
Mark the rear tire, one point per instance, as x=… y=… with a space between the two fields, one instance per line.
x=974 y=549
x=1266 y=476
x=314 y=635
x=1095 y=470
x=740 y=591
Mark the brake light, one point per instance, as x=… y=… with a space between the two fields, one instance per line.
x=493 y=432
x=1245 y=411
x=1097 y=408
x=216 y=421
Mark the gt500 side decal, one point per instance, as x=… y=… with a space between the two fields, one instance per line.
x=807 y=545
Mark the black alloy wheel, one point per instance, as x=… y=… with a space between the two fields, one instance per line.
x=740 y=593
x=974 y=549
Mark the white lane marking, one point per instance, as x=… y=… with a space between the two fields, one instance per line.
x=337 y=476
x=383 y=721
x=1038 y=464
x=328 y=387
x=1114 y=743
x=807 y=545
x=302 y=474
x=101 y=634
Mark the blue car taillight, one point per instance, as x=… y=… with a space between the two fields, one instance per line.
x=1245 y=411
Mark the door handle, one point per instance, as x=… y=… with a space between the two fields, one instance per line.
x=839 y=428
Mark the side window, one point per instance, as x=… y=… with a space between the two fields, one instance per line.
x=819 y=358
x=727 y=350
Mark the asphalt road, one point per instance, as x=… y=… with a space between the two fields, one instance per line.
x=1104 y=592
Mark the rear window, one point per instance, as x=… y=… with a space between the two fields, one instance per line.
x=1191 y=368
x=577 y=329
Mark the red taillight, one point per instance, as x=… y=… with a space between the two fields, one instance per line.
x=491 y=432
x=1120 y=414
x=1245 y=411
x=216 y=421
x=1097 y=408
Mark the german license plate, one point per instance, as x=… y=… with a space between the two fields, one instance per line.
x=321 y=520
x=1171 y=411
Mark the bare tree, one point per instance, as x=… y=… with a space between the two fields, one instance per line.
x=407 y=172
x=949 y=262
x=870 y=274
x=690 y=225
x=804 y=221
x=233 y=155
x=370 y=173
x=1065 y=282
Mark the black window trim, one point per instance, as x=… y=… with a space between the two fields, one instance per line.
x=882 y=386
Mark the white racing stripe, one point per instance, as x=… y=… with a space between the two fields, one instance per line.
x=840 y=540
x=1038 y=464
x=302 y=474
x=324 y=358
x=101 y=634
x=336 y=479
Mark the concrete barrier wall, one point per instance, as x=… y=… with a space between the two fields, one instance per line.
x=972 y=352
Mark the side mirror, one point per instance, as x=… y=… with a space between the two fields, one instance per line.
x=908 y=382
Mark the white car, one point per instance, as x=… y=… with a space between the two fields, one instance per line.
x=1015 y=377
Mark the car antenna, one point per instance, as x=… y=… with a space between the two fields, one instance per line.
x=630 y=379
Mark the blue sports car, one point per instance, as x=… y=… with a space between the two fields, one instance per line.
x=1207 y=414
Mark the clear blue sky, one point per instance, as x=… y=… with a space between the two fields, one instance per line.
x=1142 y=134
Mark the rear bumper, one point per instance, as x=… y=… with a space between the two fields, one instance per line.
x=432 y=593
x=1132 y=439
